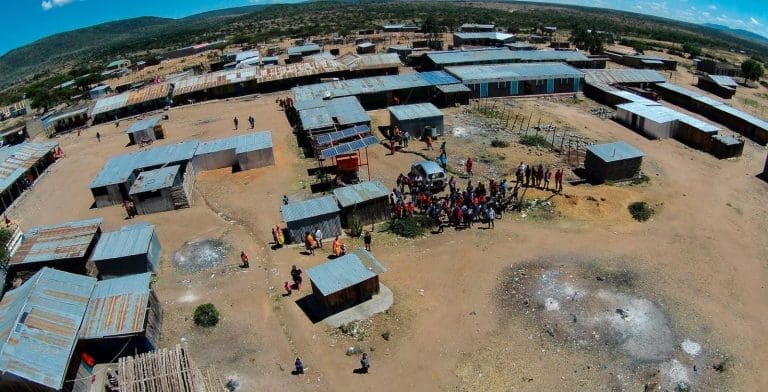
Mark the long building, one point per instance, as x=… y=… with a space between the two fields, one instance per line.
x=519 y=79
x=133 y=102
x=440 y=60
x=20 y=166
x=482 y=39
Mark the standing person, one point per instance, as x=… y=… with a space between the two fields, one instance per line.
x=98 y=137
x=296 y=276
x=252 y=121
x=244 y=259
x=365 y=363
x=406 y=138
x=527 y=175
x=547 y=176
x=285 y=199
x=280 y=236
x=443 y=159
x=519 y=173
x=235 y=121
x=309 y=243
x=319 y=237
x=367 y=240
x=299 y=366
x=287 y=287
x=491 y=216
x=336 y=245
x=559 y=180
x=275 y=238
x=442 y=148
x=452 y=185
x=428 y=140
x=540 y=176
x=468 y=166
x=392 y=146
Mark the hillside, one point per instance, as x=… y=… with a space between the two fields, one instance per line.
x=738 y=33
x=133 y=38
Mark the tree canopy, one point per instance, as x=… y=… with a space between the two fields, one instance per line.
x=752 y=70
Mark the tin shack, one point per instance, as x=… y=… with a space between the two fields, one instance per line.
x=416 y=119
x=306 y=216
x=133 y=249
x=345 y=281
x=147 y=130
x=366 y=202
x=613 y=161
x=159 y=190
x=242 y=152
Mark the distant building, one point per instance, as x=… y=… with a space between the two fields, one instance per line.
x=642 y=61
x=119 y=65
x=67 y=119
x=400 y=28
x=152 y=97
x=365 y=47
x=714 y=67
x=524 y=45
x=99 y=92
x=345 y=281
x=720 y=85
x=306 y=216
x=133 y=249
x=147 y=130
x=726 y=146
x=296 y=53
x=559 y=45
x=401 y=50
x=21 y=165
x=476 y=28
x=504 y=80
x=616 y=161
x=482 y=39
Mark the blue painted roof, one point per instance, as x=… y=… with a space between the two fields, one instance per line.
x=473 y=74
x=55 y=242
x=415 y=111
x=454 y=88
x=118 y=169
x=300 y=50
x=153 y=180
x=39 y=323
x=372 y=85
x=17 y=159
x=240 y=143
x=621 y=76
x=309 y=208
x=502 y=55
x=360 y=193
x=723 y=80
x=321 y=113
x=117 y=307
x=616 y=151
x=147 y=123
x=484 y=35
x=728 y=140
x=130 y=240
x=715 y=104
x=338 y=274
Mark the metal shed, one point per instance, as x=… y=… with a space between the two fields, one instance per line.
x=244 y=152
x=20 y=166
x=726 y=146
x=416 y=118
x=345 y=281
x=613 y=161
x=148 y=129
x=133 y=249
x=63 y=246
x=367 y=202
x=123 y=316
x=39 y=324
x=305 y=216
x=157 y=190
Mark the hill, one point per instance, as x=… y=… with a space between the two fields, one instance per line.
x=741 y=33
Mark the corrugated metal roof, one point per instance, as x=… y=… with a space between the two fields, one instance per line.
x=521 y=44
x=715 y=104
x=315 y=118
x=632 y=97
x=370 y=61
x=118 y=62
x=365 y=45
x=309 y=208
x=728 y=140
x=621 y=76
x=130 y=98
x=415 y=111
x=301 y=49
x=141 y=125
x=477 y=26
x=662 y=114
x=118 y=169
x=372 y=85
x=67 y=114
x=616 y=151
x=723 y=80
x=338 y=274
x=214 y=79
x=473 y=74
x=345 y=111
x=360 y=193
x=454 y=88
x=484 y=35
x=153 y=180
x=130 y=240
x=108 y=104
x=503 y=55
x=117 y=307
x=17 y=159
x=240 y=143
x=245 y=55
x=369 y=261
x=55 y=242
x=39 y=322
x=317 y=67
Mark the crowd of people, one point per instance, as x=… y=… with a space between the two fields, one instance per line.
x=538 y=177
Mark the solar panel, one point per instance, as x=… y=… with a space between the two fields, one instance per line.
x=349 y=147
x=344 y=148
x=328 y=138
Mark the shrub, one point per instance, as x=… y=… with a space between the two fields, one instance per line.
x=640 y=179
x=411 y=227
x=355 y=227
x=206 y=315
x=533 y=141
x=641 y=211
x=499 y=143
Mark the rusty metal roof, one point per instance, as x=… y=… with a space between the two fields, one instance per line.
x=360 y=193
x=117 y=307
x=16 y=160
x=39 y=322
x=56 y=242
x=214 y=79
x=130 y=98
x=370 y=61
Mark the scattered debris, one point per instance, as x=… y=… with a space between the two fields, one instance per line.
x=201 y=255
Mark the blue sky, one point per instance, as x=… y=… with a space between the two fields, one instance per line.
x=25 y=21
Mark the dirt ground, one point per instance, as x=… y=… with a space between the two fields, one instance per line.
x=702 y=259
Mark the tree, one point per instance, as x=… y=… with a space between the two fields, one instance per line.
x=639 y=47
x=751 y=70
x=587 y=40
x=692 y=49
x=206 y=315
x=449 y=22
x=432 y=29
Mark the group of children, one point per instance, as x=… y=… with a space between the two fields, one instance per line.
x=538 y=177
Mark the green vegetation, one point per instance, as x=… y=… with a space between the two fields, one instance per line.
x=752 y=69
x=585 y=40
x=5 y=236
x=640 y=179
x=534 y=141
x=411 y=227
x=355 y=227
x=206 y=315
x=692 y=49
x=499 y=143
x=641 y=211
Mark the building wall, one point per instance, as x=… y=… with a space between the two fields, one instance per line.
x=415 y=127
x=348 y=297
x=724 y=151
x=152 y=202
x=329 y=224
x=525 y=87
x=693 y=136
x=10 y=383
x=715 y=88
x=369 y=212
x=601 y=171
x=643 y=125
x=256 y=159
x=214 y=160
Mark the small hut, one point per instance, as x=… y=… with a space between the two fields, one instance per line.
x=452 y=95
x=366 y=202
x=156 y=190
x=416 y=118
x=147 y=130
x=133 y=249
x=306 y=216
x=242 y=152
x=613 y=161
x=726 y=146
x=345 y=281
x=366 y=47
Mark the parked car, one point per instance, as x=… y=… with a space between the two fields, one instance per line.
x=433 y=174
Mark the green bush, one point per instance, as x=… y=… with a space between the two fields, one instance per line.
x=206 y=315
x=534 y=141
x=411 y=227
x=641 y=179
x=499 y=143
x=641 y=211
x=355 y=227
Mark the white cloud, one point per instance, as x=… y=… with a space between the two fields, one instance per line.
x=712 y=7
x=754 y=22
x=705 y=14
x=48 y=4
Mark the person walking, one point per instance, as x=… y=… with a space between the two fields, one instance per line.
x=392 y=146
x=547 y=176
x=287 y=287
x=296 y=276
x=244 y=259
x=235 y=121
x=491 y=216
x=540 y=176
x=428 y=140
x=98 y=137
x=285 y=199
x=299 y=366
x=252 y=121
x=442 y=148
x=468 y=166
x=365 y=363
x=406 y=138
x=559 y=180
x=319 y=237
x=367 y=240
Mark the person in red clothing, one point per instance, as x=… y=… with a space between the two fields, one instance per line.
x=468 y=166
x=559 y=180
x=392 y=146
x=244 y=258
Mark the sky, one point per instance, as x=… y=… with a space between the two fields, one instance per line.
x=25 y=21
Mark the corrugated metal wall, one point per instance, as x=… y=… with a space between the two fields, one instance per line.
x=256 y=159
x=367 y=213
x=162 y=202
x=415 y=127
x=329 y=224
x=214 y=160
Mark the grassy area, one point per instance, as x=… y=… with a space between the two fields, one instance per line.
x=534 y=141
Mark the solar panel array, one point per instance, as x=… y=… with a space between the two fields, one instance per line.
x=328 y=138
x=348 y=147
